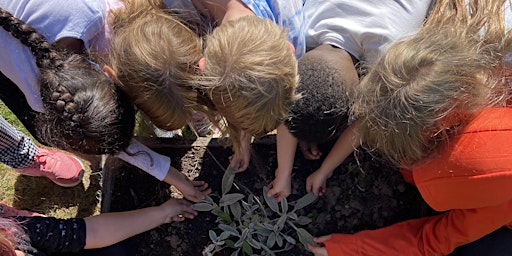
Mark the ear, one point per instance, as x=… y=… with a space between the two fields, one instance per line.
x=201 y=64
x=111 y=73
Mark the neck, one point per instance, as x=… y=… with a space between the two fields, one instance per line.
x=222 y=10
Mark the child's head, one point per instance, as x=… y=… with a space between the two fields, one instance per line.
x=250 y=74
x=84 y=110
x=427 y=87
x=12 y=237
x=154 y=56
x=327 y=75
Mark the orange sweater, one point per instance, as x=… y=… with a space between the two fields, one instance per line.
x=470 y=179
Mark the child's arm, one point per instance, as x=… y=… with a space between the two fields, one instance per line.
x=160 y=167
x=286 y=147
x=345 y=145
x=240 y=161
x=108 y=228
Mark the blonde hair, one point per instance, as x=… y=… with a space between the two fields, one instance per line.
x=155 y=55
x=427 y=87
x=250 y=75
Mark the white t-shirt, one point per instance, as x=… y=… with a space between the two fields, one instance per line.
x=56 y=19
x=364 y=28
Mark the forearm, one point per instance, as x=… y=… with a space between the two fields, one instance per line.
x=344 y=146
x=286 y=147
x=146 y=159
x=109 y=228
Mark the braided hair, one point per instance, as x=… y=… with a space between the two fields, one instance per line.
x=84 y=110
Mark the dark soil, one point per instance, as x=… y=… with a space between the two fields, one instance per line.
x=364 y=193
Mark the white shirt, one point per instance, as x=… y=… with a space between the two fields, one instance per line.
x=364 y=28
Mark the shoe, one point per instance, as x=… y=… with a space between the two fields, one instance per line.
x=63 y=169
x=7 y=211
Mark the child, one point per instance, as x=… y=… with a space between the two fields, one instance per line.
x=249 y=72
x=19 y=151
x=40 y=235
x=436 y=104
x=106 y=112
x=339 y=34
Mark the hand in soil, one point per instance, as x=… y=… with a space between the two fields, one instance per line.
x=177 y=210
x=240 y=160
x=316 y=182
x=280 y=187
x=319 y=250
x=194 y=191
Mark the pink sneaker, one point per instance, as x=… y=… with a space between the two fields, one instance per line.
x=7 y=211
x=63 y=169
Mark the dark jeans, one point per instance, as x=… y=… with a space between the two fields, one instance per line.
x=15 y=100
x=497 y=243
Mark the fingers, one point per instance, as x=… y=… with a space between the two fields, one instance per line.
x=322 y=239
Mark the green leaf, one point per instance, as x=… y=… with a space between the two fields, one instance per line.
x=246 y=247
x=305 y=201
x=225 y=218
x=202 y=207
x=227 y=180
x=229 y=199
x=213 y=236
x=271 y=240
x=284 y=205
x=271 y=201
x=255 y=244
x=303 y=220
x=235 y=253
x=305 y=237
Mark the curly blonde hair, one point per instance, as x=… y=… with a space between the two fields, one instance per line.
x=425 y=88
x=250 y=75
x=155 y=55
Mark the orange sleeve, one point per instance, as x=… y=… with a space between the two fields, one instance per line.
x=436 y=235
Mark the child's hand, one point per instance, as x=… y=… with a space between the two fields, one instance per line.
x=319 y=250
x=240 y=161
x=280 y=187
x=177 y=210
x=310 y=150
x=316 y=182
x=192 y=190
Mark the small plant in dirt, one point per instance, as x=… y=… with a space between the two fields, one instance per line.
x=250 y=227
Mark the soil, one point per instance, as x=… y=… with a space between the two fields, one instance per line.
x=364 y=193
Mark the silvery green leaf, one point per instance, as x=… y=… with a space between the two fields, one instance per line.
x=236 y=209
x=235 y=253
x=227 y=180
x=292 y=215
x=202 y=207
x=284 y=205
x=280 y=223
x=255 y=244
x=271 y=240
x=289 y=239
x=245 y=232
x=303 y=220
x=229 y=229
x=247 y=207
x=228 y=199
x=250 y=200
x=271 y=201
x=304 y=201
x=213 y=236
x=268 y=226
x=224 y=235
x=209 y=249
x=305 y=237
x=208 y=199
x=239 y=243
x=263 y=231
x=279 y=240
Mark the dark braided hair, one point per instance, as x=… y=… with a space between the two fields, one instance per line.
x=84 y=110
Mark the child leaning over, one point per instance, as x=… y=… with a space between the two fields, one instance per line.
x=249 y=72
x=339 y=34
x=436 y=104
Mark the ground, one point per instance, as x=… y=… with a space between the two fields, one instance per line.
x=364 y=193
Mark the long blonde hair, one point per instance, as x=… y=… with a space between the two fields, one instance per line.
x=425 y=88
x=250 y=75
x=155 y=55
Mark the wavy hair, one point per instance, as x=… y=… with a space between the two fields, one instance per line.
x=427 y=87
